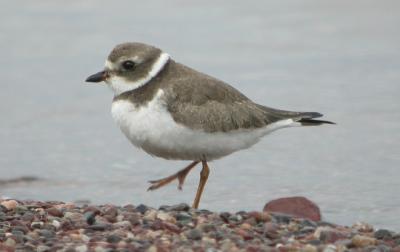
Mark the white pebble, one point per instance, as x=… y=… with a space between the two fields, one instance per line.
x=100 y=249
x=85 y=238
x=165 y=217
x=82 y=248
x=10 y=242
x=150 y=215
x=56 y=224
x=330 y=248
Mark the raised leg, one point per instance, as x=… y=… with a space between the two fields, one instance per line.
x=180 y=175
x=203 y=179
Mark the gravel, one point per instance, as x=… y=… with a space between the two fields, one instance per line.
x=59 y=226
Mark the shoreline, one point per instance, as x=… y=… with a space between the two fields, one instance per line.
x=58 y=226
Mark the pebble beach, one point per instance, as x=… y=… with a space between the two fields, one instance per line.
x=58 y=226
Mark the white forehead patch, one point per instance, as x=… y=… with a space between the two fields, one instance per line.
x=109 y=65
x=120 y=85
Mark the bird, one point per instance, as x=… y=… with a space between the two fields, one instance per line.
x=174 y=112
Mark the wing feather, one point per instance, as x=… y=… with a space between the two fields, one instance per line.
x=214 y=106
x=205 y=103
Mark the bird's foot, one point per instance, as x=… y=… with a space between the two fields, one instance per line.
x=180 y=175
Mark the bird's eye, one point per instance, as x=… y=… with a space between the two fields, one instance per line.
x=128 y=65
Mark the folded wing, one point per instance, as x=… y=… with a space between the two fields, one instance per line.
x=214 y=106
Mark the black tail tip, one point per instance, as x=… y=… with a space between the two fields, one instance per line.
x=313 y=122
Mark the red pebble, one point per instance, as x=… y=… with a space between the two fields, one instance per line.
x=246 y=235
x=6 y=248
x=55 y=212
x=300 y=207
x=171 y=227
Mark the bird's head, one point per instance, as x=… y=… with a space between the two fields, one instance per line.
x=129 y=66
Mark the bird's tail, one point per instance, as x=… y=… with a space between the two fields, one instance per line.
x=303 y=118
x=307 y=119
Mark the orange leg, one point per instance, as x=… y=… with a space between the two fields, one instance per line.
x=203 y=179
x=180 y=175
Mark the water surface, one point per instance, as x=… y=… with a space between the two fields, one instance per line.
x=340 y=58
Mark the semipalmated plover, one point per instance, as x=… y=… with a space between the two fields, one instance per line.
x=174 y=112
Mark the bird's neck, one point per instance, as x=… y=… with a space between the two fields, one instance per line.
x=145 y=93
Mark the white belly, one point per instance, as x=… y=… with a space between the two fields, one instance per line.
x=152 y=128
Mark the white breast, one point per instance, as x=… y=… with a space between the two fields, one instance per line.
x=152 y=128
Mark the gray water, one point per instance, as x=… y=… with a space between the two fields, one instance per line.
x=341 y=58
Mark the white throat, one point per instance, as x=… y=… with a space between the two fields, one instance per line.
x=120 y=85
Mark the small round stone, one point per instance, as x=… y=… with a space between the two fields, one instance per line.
x=81 y=248
x=309 y=248
x=113 y=238
x=43 y=248
x=100 y=226
x=122 y=224
x=21 y=209
x=271 y=230
x=37 y=224
x=111 y=211
x=133 y=218
x=28 y=216
x=382 y=234
x=90 y=217
x=56 y=224
x=73 y=216
x=20 y=228
x=384 y=248
x=47 y=233
x=10 y=242
x=363 y=241
x=330 y=235
x=9 y=204
x=194 y=234
x=363 y=227
x=330 y=248
x=183 y=217
x=165 y=217
x=150 y=215
x=142 y=208
x=179 y=207
x=55 y=212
